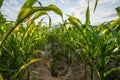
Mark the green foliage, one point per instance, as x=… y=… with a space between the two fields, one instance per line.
x=95 y=5
x=26 y=12
x=87 y=23
x=71 y=40
x=1 y=2
x=118 y=11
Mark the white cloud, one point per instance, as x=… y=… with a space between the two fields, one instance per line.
x=106 y=1
x=14 y=2
x=53 y=1
x=64 y=1
x=47 y=1
x=98 y=17
x=110 y=14
x=81 y=7
x=10 y=8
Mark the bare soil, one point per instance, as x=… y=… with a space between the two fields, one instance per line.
x=40 y=71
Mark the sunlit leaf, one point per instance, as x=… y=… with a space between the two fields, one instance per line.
x=48 y=64
x=87 y=16
x=34 y=60
x=98 y=73
x=75 y=21
x=27 y=5
x=111 y=70
x=27 y=72
x=116 y=49
x=25 y=15
x=54 y=8
x=1 y=78
x=25 y=66
x=38 y=14
x=115 y=23
x=26 y=12
x=103 y=32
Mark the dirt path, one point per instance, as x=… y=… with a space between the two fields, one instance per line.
x=40 y=71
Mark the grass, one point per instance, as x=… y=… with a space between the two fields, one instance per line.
x=21 y=45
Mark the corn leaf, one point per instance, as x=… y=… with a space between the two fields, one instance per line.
x=87 y=16
x=1 y=78
x=75 y=21
x=114 y=32
x=25 y=66
x=55 y=9
x=48 y=64
x=96 y=2
x=26 y=12
x=27 y=5
x=118 y=11
x=115 y=23
x=40 y=3
x=38 y=14
x=1 y=2
x=20 y=18
x=50 y=21
x=111 y=70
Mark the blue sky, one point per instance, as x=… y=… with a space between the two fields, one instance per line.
x=105 y=10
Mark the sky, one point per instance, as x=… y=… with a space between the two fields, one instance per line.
x=105 y=10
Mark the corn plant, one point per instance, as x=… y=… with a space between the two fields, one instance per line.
x=70 y=40
x=94 y=42
x=21 y=42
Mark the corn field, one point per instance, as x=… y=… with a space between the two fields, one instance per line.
x=23 y=45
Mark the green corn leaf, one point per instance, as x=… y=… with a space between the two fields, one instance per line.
x=50 y=21
x=24 y=8
x=54 y=8
x=118 y=11
x=25 y=15
x=115 y=23
x=40 y=22
x=26 y=12
x=29 y=24
x=24 y=66
x=1 y=78
x=38 y=14
x=40 y=3
x=116 y=50
x=75 y=21
x=98 y=73
x=114 y=32
x=96 y=2
x=103 y=32
x=1 y=2
x=27 y=4
x=87 y=16
x=111 y=70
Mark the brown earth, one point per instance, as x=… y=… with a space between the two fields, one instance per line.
x=40 y=71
